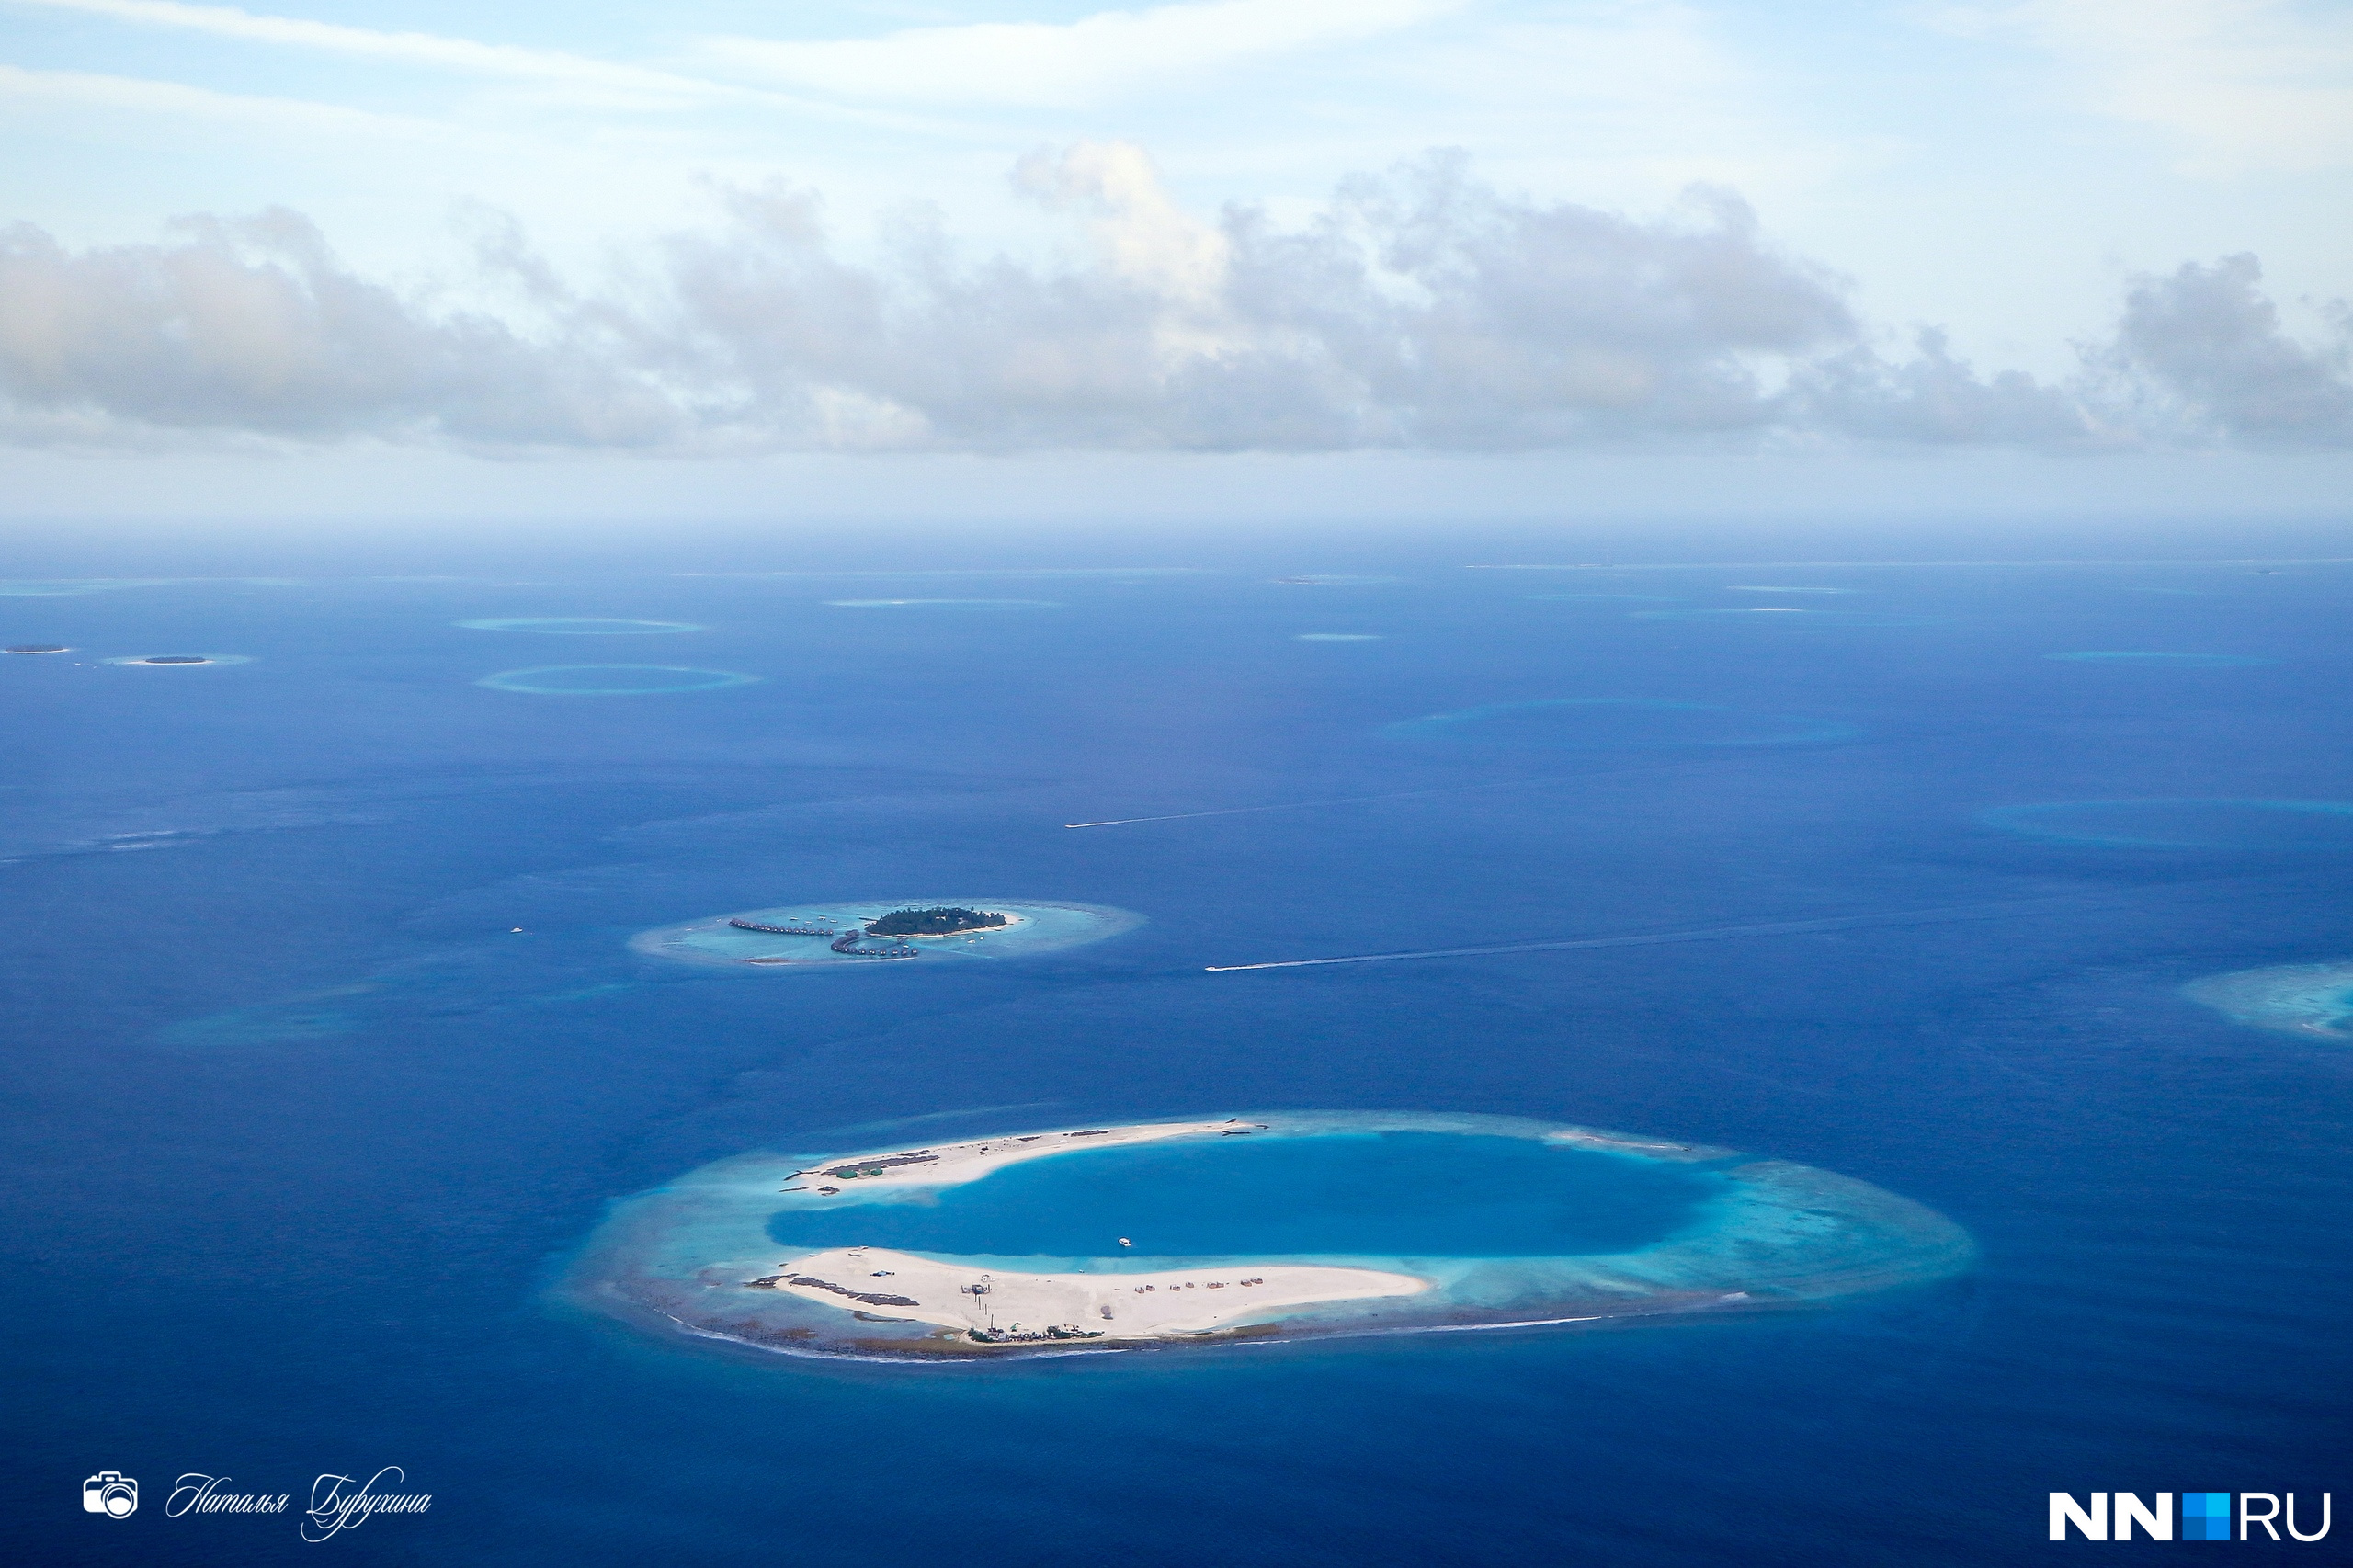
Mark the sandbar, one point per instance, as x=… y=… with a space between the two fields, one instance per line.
x=1025 y=1308
x=951 y=1164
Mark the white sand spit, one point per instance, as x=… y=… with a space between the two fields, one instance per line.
x=1014 y=1305
x=951 y=1164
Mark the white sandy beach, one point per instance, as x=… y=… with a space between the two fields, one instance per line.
x=1116 y=1306
x=948 y=1164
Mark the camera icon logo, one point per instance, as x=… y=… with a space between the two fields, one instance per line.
x=110 y=1493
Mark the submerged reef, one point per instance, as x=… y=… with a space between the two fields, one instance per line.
x=824 y=1254
x=1792 y=615
x=613 y=680
x=578 y=626
x=2157 y=660
x=1594 y=724
x=2257 y=826
x=181 y=661
x=2296 y=998
x=943 y=604
x=59 y=588
x=314 y=1015
x=823 y=936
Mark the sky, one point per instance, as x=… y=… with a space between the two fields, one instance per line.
x=1275 y=256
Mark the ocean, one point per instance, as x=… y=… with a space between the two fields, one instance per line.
x=327 y=1051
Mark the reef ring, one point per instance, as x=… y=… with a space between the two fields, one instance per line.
x=614 y=680
x=700 y=1254
x=1597 y=724
x=945 y=604
x=2162 y=660
x=578 y=626
x=2255 y=826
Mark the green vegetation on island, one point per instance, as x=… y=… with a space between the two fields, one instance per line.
x=937 y=921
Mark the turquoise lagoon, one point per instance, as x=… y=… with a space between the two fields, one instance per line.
x=1037 y=928
x=1512 y=1222
x=2296 y=998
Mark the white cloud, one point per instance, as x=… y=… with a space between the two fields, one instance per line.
x=2245 y=84
x=1092 y=61
x=1935 y=397
x=253 y=328
x=2201 y=353
x=1421 y=308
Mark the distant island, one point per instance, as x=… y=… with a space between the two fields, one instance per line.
x=794 y=937
x=940 y=920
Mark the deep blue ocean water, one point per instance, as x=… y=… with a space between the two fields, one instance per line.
x=300 y=1128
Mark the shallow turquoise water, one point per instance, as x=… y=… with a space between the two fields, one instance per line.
x=1379 y=1194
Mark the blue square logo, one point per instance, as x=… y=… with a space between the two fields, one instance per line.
x=2205 y=1515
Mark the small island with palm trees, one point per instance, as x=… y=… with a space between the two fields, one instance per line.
x=793 y=939
x=940 y=920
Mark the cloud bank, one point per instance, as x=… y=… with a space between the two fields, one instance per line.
x=1417 y=310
